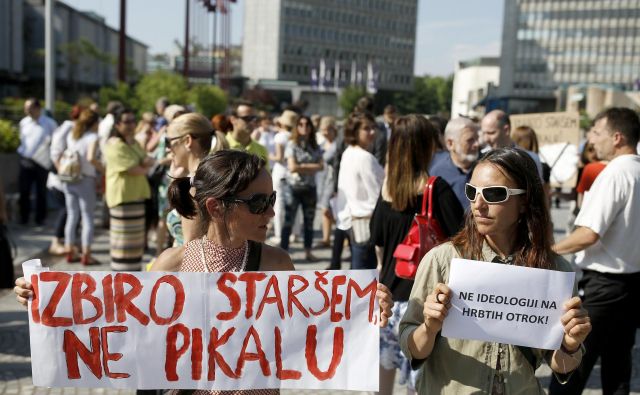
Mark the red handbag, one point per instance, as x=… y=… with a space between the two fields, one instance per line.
x=424 y=234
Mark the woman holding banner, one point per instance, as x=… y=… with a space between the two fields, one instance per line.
x=508 y=223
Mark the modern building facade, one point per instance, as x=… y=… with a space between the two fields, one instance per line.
x=551 y=44
x=471 y=83
x=85 y=50
x=331 y=43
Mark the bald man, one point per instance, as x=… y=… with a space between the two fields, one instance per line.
x=496 y=133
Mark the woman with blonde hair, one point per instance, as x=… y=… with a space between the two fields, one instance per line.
x=190 y=137
x=80 y=195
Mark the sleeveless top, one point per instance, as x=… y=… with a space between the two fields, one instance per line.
x=203 y=255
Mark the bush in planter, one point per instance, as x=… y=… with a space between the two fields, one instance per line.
x=9 y=137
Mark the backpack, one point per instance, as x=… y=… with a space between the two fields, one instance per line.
x=70 y=168
x=424 y=234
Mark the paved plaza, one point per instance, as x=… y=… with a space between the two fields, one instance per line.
x=15 y=367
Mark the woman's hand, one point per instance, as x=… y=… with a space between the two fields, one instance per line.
x=436 y=308
x=386 y=304
x=23 y=291
x=576 y=323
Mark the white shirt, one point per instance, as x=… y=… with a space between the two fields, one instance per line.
x=104 y=129
x=59 y=139
x=359 y=183
x=611 y=209
x=81 y=146
x=33 y=133
x=279 y=169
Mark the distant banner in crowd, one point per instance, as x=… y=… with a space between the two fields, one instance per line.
x=222 y=331
x=559 y=138
x=507 y=304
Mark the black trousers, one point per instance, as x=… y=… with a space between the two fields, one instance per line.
x=611 y=300
x=32 y=174
x=339 y=236
x=61 y=218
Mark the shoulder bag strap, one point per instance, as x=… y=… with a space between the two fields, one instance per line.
x=254 y=257
x=427 y=197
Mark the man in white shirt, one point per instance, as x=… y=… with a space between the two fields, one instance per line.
x=495 y=130
x=35 y=138
x=606 y=239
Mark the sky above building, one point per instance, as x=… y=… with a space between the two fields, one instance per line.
x=447 y=31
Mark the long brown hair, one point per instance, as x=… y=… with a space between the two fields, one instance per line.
x=310 y=137
x=410 y=151
x=534 y=233
x=86 y=119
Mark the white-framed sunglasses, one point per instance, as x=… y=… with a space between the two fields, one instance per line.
x=492 y=194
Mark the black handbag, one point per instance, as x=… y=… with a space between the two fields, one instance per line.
x=7 y=253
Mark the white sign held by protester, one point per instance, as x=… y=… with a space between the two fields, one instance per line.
x=507 y=304
x=215 y=331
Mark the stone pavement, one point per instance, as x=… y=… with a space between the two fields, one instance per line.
x=15 y=367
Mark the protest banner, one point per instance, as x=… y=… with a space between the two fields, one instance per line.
x=221 y=331
x=559 y=137
x=507 y=304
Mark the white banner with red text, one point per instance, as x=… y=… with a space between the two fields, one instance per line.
x=216 y=331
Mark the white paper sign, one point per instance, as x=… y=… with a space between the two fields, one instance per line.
x=507 y=304
x=222 y=331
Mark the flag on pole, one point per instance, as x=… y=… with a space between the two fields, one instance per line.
x=371 y=79
x=336 y=75
x=314 y=78
x=321 y=77
x=353 y=72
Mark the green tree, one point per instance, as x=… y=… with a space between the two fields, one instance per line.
x=121 y=92
x=207 y=99
x=158 y=84
x=9 y=137
x=430 y=95
x=349 y=98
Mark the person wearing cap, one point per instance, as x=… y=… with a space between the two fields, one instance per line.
x=244 y=120
x=287 y=122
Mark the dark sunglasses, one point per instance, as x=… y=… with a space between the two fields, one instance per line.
x=168 y=140
x=491 y=195
x=258 y=203
x=249 y=118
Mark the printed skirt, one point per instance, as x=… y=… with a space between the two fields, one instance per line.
x=127 y=226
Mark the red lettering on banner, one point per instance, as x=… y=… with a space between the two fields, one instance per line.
x=78 y=295
x=107 y=291
x=253 y=356
x=251 y=278
x=336 y=297
x=277 y=299
x=63 y=280
x=124 y=301
x=178 y=304
x=196 y=354
x=232 y=295
x=292 y=298
x=107 y=356
x=74 y=348
x=216 y=357
x=173 y=353
x=369 y=289
x=312 y=359
x=283 y=374
x=321 y=279
x=35 y=302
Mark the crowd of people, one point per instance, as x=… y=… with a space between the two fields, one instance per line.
x=214 y=190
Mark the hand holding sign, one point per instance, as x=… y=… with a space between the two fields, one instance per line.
x=386 y=304
x=436 y=308
x=576 y=323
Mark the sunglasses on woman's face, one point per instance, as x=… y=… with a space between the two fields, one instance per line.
x=491 y=195
x=168 y=141
x=258 y=203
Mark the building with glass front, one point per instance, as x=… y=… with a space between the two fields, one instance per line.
x=548 y=45
x=331 y=43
